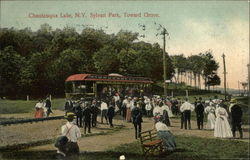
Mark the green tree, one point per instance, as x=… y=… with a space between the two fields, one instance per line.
x=124 y=40
x=106 y=60
x=213 y=80
x=196 y=65
x=210 y=66
x=67 y=38
x=43 y=38
x=35 y=75
x=21 y=40
x=70 y=62
x=10 y=66
x=127 y=60
x=180 y=63
x=91 y=41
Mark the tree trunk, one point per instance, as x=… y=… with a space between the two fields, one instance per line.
x=199 y=81
x=191 y=78
x=178 y=77
x=186 y=78
x=181 y=76
x=195 y=82
x=206 y=86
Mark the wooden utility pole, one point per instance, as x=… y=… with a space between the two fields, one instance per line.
x=239 y=87
x=164 y=32
x=225 y=82
x=248 y=80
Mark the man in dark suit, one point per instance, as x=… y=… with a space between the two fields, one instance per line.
x=136 y=114
x=78 y=112
x=111 y=113
x=48 y=106
x=175 y=108
x=94 y=110
x=236 y=116
x=68 y=107
x=199 y=109
x=86 y=113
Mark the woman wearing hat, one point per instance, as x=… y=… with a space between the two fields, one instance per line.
x=72 y=132
x=39 y=109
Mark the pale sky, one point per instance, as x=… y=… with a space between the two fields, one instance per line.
x=194 y=26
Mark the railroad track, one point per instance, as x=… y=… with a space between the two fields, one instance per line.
x=30 y=120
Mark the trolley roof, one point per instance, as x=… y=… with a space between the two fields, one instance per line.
x=110 y=78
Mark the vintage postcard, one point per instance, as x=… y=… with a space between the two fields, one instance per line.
x=124 y=80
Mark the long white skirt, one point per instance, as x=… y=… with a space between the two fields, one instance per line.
x=170 y=114
x=222 y=128
x=210 y=121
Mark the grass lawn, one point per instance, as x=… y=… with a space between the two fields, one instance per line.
x=194 y=148
x=22 y=106
x=187 y=148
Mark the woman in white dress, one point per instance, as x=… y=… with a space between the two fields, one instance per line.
x=167 y=108
x=148 y=106
x=157 y=112
x=166 y=114
x=129 y=109
x=222 y=128
x=210 y=110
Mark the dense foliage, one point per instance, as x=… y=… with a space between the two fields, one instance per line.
x=38 y=62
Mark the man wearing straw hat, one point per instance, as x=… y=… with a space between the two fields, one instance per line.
x=69 y=145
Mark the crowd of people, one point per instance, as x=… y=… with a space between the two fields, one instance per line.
x=161 y=109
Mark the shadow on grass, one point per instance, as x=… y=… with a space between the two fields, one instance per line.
x=108 y=155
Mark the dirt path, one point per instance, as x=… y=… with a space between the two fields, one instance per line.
x=29 y=132
x=104 y=142
x=107 y=142
x=29 y=115
x=16 y=134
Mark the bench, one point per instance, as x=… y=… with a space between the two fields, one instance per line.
x=150 y=142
